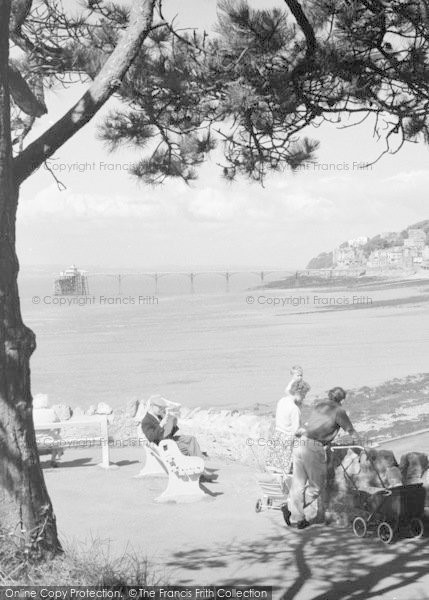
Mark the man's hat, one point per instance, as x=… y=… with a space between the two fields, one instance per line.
x=158 y=400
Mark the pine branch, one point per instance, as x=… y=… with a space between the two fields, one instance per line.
x=304 y=23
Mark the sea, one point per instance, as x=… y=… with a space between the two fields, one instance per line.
x=215 y=345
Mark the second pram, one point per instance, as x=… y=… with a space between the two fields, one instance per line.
x=274 y=491
x=388 y=511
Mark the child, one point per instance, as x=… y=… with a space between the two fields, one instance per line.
x=297 y=373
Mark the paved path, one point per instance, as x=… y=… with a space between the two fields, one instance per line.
x=222 y=540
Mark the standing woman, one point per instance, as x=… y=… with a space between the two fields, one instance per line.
x=288 y=423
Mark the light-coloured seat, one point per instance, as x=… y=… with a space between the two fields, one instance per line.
x=183 y=474
x=153 y=463
x=183 y=471
x=166 y=459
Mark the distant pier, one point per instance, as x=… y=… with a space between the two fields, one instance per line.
x=227 y=275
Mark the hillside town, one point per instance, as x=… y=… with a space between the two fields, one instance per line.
x=389 y=251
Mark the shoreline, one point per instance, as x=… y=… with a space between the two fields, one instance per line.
x=374 y=280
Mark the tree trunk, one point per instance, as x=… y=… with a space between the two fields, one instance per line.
x=20 y=472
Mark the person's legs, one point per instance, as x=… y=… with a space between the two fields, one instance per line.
x=315 y=462
x=188 y=445
x=299 y=481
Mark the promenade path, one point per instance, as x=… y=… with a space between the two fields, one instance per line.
x=222 y=540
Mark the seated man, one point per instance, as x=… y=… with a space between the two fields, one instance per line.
x=158 y=425
x=48 y=440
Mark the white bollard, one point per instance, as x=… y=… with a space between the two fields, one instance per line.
x=105 y=456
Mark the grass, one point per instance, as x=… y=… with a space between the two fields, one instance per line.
x=92 y=564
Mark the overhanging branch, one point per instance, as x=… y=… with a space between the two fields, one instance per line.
x=101 y=89
x=300 y=17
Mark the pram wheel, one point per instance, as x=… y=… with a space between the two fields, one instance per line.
x=416 y=528
x=258 y=507
x=360 y=527
x=385 y=532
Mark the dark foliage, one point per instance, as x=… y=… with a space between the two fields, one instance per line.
x=266 y=75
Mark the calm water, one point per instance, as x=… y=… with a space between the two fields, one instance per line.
x=214 y=349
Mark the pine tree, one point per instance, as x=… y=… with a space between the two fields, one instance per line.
x=49 y=47
x=252 y=88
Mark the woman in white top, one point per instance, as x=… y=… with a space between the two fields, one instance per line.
x=288 y=423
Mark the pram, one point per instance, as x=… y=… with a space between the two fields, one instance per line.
x=275 y=488
x=389 y=511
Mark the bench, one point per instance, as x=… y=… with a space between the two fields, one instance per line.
x=49 y=443
x=183 y=471
x=153 y=463
x=183 y=474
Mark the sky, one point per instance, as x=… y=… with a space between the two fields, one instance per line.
x=106 y=217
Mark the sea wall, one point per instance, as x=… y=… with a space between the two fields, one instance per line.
x=225 y=434
x=379 y=413
x=233 y=435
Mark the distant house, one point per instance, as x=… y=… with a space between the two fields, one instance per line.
x=343 y=257
x=348 y=256
x=416 y=244
x=416 y=239
x=378 y=259
x=425 y=257
x=387 y=257
x=395 y=255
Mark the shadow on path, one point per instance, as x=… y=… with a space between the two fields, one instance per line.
x=328 y=561
x=64 y=464
x=125 y=463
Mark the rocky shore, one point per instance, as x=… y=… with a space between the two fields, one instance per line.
x=394 y=408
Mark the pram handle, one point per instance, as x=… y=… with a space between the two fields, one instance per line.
x=332 y=448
